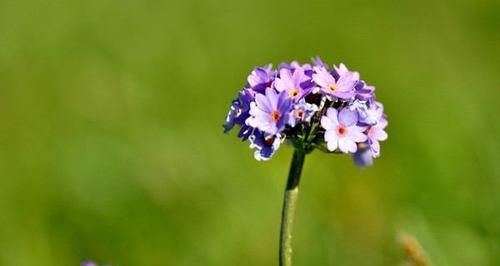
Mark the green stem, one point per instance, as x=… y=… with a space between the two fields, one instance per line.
x=289 y=206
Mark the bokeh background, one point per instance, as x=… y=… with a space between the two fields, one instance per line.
x=111 y=145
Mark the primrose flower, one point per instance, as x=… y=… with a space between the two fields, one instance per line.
x=269 y=112
x=369 y=113
x=239 y=110
x=311 y=106
x=376 y=134
x=265 y=145
x=341 y=130
x=342 y=87
x=302 y=112
x=363 y=156
x=261 y=78
x=292 y=83
x=88 y=263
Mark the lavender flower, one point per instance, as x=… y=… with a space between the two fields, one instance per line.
x=310 y=106
x=261 y=78
x=265 y=145
x=269 y=112
x=341 y=130
x=302 y=112
x=363 y=156
x=239 y=110
x=342 y=88
x=291 y=83
x=376 y=134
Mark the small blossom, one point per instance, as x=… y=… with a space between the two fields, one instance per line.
x=363 y=91
x=291 y=83
x=376 y=134
x=88 y=263
x=342 y=88
x=261 y=78
x=363 y=156
x=265 y=145
x=302 y=112
x=342 y=71
x=368 y=113
x=343 y=136
x=239 y=110
x=269 y=113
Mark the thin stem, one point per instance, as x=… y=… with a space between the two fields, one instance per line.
x=289 y=206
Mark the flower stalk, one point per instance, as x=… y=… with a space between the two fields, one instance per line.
x=289 y=207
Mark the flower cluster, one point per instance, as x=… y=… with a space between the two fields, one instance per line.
x=312 y=106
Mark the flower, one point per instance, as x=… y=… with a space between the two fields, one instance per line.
x=342 y=71
x=363 y=156
x=291 y=81
x=363 y=91
x=269 y=112
x=261 y=78
x=88 y=263
x=376 y=134
x=265 y=145
x=302 y=112
x=369 y=113
x=309 y=105
x=341 y=130
x=239 y=110
x=342 y=88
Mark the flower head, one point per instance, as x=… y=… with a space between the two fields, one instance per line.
x=311 y=106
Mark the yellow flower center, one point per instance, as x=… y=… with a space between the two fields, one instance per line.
x=333 y=87
x=294 y=93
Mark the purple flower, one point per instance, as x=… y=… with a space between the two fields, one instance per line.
x=292 y=82
x=364 y=92
x=302 y=112
x=341 y=130
x=369 y=113
x=342 y=71
x=363 y=156
x=261 y=78
x=265 y=145
x=376 y=134
x=239 y=111
x=269 y=113
x=342 y=88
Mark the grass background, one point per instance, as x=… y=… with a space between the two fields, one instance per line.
x=111 y=145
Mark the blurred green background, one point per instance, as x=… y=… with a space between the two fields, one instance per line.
x=111 y=145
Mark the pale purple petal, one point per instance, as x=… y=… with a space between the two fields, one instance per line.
x=348 y=117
